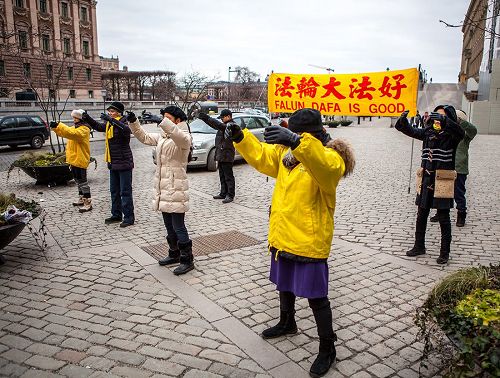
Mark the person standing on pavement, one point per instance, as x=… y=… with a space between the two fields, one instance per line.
x=77 y=155
x=224 y=153
x=120 y=161
x=462 y=168
x=171 y=185
x=307 y=166
x=436 y=175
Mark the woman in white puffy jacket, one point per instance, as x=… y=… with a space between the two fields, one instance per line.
x=173 y=144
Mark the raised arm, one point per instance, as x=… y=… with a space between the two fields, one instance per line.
x=212 y=122
x=179 y=133
x=324 y=164
x=72 y=133
x=263 y=157
x=98 y=126
x=142 y=136
x=403 y=126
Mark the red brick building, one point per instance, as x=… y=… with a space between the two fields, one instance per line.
x=52 y=40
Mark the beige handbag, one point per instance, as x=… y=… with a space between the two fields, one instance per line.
x=445 y=183
x=418 y=180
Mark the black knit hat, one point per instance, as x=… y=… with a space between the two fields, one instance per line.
x=175 y=112
x=305 y=120
x=118 y=106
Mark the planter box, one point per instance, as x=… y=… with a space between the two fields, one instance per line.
x=50 y=175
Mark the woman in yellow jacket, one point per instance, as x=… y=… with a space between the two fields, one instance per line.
x=307 y=165
x=77 y=155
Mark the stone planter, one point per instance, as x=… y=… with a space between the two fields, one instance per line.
x=49 y=175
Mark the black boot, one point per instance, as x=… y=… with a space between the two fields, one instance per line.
x=419 y=247
x=286 y=326
x=461 y=215
x=173 y=252
x=326 y=357
x=444 y=222
x=420 y=228
x=186 y=258
x=434 y=218
x=327 y=353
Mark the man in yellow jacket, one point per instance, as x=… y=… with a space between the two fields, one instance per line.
x=77 y=155
x=307 y=165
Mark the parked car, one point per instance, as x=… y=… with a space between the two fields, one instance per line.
x=23 y=129
x=204 y=138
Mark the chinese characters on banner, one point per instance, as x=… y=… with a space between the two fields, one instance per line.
x=385 y=94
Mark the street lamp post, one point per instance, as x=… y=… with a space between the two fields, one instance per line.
x=104 y=92
x=229 y=82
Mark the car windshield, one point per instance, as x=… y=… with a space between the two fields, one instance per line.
x=198 y=126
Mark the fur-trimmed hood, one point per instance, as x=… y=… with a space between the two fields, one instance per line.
x=346 y=152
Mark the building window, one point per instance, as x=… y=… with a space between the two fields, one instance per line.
x=64 y=10
x=70 y=73
x=72 y=93
x=27 y=70
x=86 y=49
x=20 y=3
x=2 y=68
x=4 y=92
x=45 y=42
x=42 y=5
x=89 y=74
x=91 y=94
x=84 y=15
x=23 y=39
x=50 y=71
x=52 y=94
x=67 y=46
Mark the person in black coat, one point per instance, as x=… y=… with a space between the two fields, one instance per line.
x=436 y=175
x=120 y=161
x=224 y=154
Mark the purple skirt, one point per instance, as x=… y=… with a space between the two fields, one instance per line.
x=304 y=279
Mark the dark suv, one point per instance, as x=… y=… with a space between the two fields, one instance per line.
x=23 y=129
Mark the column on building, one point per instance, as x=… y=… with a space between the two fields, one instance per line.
x=34 y=24
x=76 y=28
x=57 y=28
x=94 y=31
x=9 y=19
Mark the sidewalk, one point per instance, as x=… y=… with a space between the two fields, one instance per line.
x=97 y=304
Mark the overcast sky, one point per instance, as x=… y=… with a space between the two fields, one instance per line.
x=284 y=36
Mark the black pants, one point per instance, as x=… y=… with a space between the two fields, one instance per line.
x=444 y=223
x=227 y=184
x=460 y=192
x=176 y=229
x=321 y=310
x=80 y=176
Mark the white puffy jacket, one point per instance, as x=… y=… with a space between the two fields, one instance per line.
x=172 y=149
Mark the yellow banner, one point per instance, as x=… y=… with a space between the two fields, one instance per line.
x=386 y=93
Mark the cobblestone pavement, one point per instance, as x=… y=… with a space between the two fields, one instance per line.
x=95 y=305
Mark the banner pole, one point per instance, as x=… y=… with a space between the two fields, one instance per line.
x=412 y=139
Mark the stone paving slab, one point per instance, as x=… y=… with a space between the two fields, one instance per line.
x=94 y=298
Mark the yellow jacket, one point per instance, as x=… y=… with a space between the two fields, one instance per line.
x=78 y=146
x=303 y=204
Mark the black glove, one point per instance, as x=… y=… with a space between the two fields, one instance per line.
x=106 y=117
x=404 y=114
x=53 y=124
x=86 y=117
x=195 y=112
x=281 y=135
x=131 y=117
x=233 y=132
x=438 y=117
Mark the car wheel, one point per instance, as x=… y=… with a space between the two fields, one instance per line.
x=37 y=142
x=211 y=163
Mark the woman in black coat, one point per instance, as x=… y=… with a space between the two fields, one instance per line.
x=440 y=140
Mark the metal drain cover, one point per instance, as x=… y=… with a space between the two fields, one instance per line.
x=204 y=245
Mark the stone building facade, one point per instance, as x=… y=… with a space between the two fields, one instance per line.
x=52 y=41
